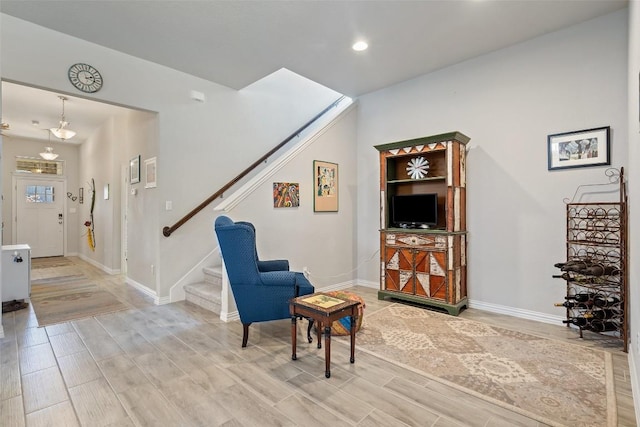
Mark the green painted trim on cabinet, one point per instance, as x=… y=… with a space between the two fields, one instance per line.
x=452 y=309
x=457 y=136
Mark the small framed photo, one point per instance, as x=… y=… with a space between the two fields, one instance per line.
x=150 y=173
x=589 y=147
x=134 y=170
x=325 y=186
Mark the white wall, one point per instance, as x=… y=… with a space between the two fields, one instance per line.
x=507 y=102
x=248 y=124
x=633 y=174
x=13 y=147
x=101 y=158
x=325 y=242
x=200 y=146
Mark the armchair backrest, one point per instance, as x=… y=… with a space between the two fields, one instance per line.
x=238 y=245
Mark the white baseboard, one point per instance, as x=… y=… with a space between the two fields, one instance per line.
x=367 y=284
x=147 y=291
x=98 y=265
x=517 y=312
x=349 y=284
x=230 y=317
x=337 y=286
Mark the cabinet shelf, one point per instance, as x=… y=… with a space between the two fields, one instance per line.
x=404 y=181
x=420 y=231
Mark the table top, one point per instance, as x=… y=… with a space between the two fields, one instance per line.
x=323 y=303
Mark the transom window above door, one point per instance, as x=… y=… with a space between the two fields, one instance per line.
x=39 y=166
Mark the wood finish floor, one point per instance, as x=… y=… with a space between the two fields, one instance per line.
x=179 y=365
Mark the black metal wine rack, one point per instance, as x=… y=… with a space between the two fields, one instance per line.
x=596 y=268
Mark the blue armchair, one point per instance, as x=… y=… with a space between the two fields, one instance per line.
x=261 y=289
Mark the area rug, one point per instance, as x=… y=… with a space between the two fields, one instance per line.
x=53 y=268
x=66 y=298
x=50 y=262
x=556 y=383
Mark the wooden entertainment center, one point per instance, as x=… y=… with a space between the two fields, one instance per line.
x=424 y=265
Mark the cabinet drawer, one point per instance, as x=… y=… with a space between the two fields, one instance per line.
x=416 y=240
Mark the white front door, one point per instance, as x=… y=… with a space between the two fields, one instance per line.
x=39 y=220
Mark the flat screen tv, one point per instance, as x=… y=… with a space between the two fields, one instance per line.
x=414 y=211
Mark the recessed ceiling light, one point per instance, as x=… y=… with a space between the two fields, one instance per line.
x=359 y=46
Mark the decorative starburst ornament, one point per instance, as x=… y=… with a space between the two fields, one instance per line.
x=418 y=167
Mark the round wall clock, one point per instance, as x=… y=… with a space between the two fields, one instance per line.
x=85 y=78
x=418 y=167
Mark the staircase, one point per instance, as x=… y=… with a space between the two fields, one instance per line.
x=208 y=293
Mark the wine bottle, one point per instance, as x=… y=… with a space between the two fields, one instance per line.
x=576 y=266
x=599 y=270
x=583 y=280
x=581 y=297
x=572 y=263
x=604 y=326
x=579 y=321
x=605 y=301
x=605 y=313
x=574 y=304
x=570 y=278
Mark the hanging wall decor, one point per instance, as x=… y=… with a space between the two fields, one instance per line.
x=325 y=178
x=150 y=173
x=589 y=147
x=91 y=237
x=286 y=194
x=134 y=170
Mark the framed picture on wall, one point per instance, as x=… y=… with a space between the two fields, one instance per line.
x=286 y=194
x=134 y=170
x=577 y=149
x=150 y=173
x=325 y=186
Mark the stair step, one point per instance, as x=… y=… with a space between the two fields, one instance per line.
x=213 y=275
x=204 y=294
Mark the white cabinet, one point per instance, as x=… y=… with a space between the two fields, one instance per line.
x=16 y=272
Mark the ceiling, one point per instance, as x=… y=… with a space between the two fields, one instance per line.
x=235 y=43
x=23 y=104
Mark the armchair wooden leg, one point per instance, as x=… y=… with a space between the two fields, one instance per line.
x=309 y=330
x=245 y=333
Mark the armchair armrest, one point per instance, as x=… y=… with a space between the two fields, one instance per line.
x=279 y=278
x=273 y=265
x=287 y=279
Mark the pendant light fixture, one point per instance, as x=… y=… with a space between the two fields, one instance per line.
x=48 y=151
x=61 y=131
x=48 y=154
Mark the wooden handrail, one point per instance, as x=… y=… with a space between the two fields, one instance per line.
x=167 y=231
